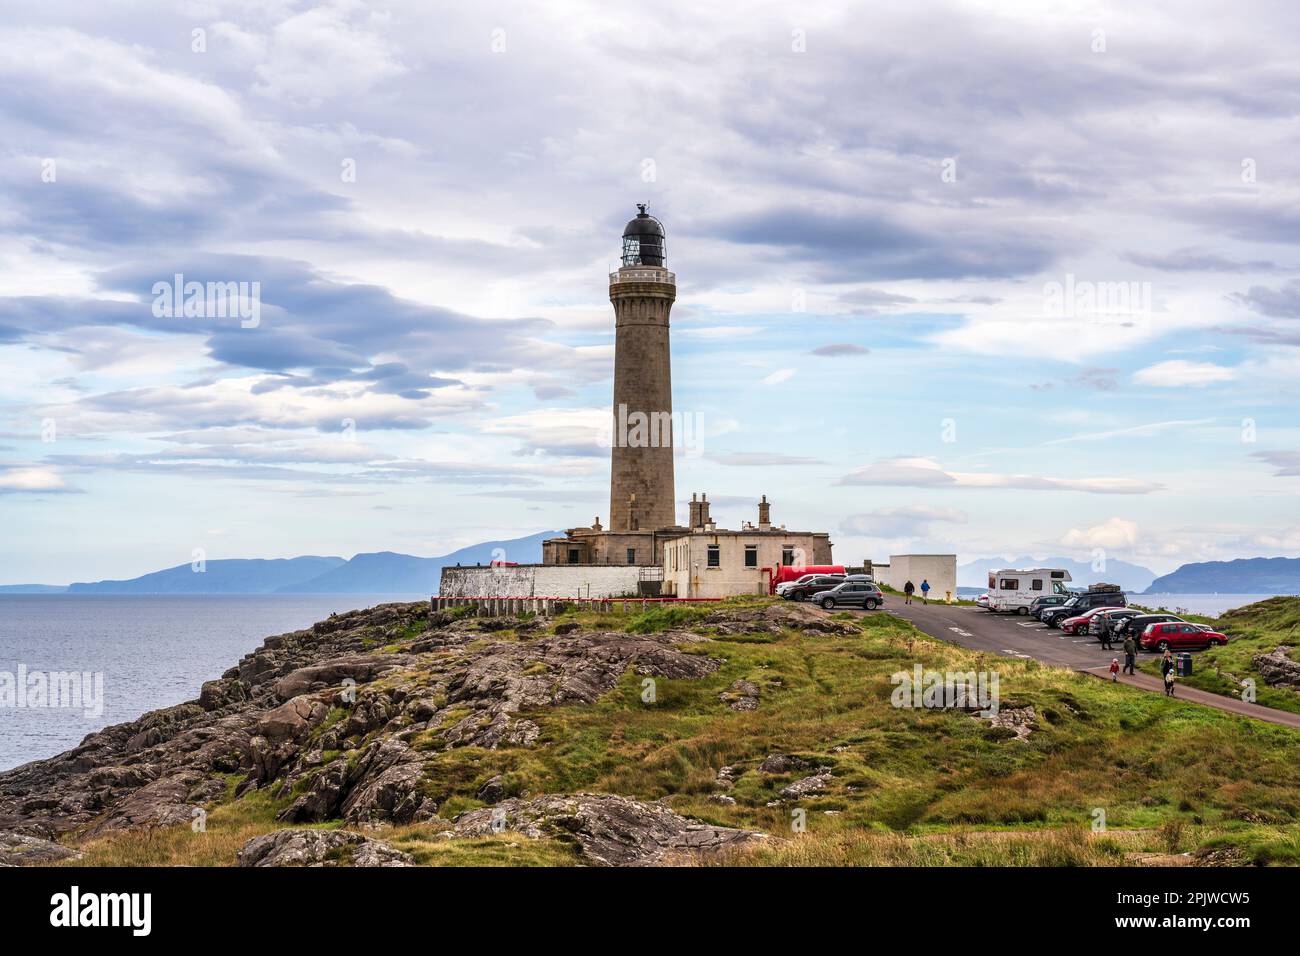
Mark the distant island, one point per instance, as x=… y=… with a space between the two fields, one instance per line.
x=1242 y=576
x=380 y=572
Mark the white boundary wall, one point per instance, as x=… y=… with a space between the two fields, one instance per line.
x=541 y=580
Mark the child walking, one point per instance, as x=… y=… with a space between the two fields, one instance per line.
x=1114 y=669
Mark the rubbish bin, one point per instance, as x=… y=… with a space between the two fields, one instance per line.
x=1184 y=664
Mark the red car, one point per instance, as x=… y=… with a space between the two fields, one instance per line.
x=1079 y=623
x=1179 y=635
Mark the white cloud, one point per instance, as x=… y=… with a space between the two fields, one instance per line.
x=1115 y=533
x=31 y=478
x=1180 y=373
x=928 y=473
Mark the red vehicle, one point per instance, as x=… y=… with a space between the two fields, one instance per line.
x=788 y=572
x=1179 y=635
x=1079 y=623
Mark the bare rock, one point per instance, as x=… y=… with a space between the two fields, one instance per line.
x=493 y=790
x=221 y=693
x=361 y=668
x=319 y=848
x=782 y=763
x=17 y=849
x=741 y=695
x=610 y=830
x=384 y=786
x=807 y=786
x=1277 y=668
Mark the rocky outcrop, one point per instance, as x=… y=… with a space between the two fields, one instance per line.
x=1277 y=668
x=609 y=830
x=322 y=718
x=775 y=619
x=741 y=695
x=782 y=763
x=19 y=850
x=319 y=848
x=807 y=786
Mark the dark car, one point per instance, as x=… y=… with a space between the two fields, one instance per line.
x=1083 y=602
x=1041 y=604
x=1111 y=620
x=806 y=589
x=1179 y=635
x=1134 y=626
x=862 y=594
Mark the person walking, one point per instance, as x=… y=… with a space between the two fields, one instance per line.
x=1130 y=654
x=908 y=590
x=1167 y=667
x=1114 y=669
x=925 y=591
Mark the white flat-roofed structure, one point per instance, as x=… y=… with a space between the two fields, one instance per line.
x=939 y=569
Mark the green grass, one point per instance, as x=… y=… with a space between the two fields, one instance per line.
x=914 y=787
x=1254 y=629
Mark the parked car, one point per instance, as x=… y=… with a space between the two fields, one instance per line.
x=852 y=594
x=982 y=601
x=1109 y=596
x=1179 y=635
x=1041 y=604
x=1111 y=619
x=803 y=590
x=1138 y=623
x=786 y=585
x=1079 y=623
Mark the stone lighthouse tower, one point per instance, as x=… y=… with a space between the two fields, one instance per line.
x=641 y=495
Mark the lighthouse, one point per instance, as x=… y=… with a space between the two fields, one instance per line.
x=641 y=493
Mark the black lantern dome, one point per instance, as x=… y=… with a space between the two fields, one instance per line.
x=644 y=243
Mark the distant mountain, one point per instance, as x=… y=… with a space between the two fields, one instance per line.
x=1131 y=577
x=1243 y=576
x=225 y=576
x=380 y=572
x=385 y=572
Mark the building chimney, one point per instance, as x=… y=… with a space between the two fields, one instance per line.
x=693 y=512
x=705 y=520
x=764 y=515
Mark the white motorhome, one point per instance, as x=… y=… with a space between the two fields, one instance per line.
x=1014 y=589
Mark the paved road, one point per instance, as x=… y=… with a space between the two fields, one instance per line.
x=1018 y=636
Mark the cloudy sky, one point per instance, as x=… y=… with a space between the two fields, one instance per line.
x=968 y=277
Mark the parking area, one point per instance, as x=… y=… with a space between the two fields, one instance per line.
x=1017 y=636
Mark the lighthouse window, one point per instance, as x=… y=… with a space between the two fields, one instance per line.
x=631 y=555
x=715 y=556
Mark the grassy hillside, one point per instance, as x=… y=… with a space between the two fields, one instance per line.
x=920 y=787
x=1254 y=629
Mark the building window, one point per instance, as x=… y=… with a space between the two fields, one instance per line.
x=631 y=555
x=573 y=555
x=715 y=556
x=751 y=555
x=787 y=555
